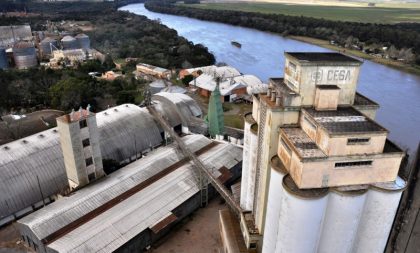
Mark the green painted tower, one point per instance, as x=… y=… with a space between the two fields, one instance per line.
x=214 y=117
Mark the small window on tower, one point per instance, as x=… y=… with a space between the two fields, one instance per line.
x=356 y=141
x=292 y=66
x=91 y=177
x=83 y=123
x=89 y=161
x=86 y=142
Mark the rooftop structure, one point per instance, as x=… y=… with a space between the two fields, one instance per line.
x=316 y=163
x=215 y=117
x=125 y=133
x=14 y=33
x=152 y=71
x=104 y=216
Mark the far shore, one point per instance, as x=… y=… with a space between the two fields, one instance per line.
x=391 y=63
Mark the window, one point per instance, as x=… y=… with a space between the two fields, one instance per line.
x=290 y=84
x=353 y=164
x=83 y=123
x=309 y=122
x=253 y=245
x=355 y=141
x=86 y=142
x=91 y=176
x=292 y=66
x=286 y=147
x=89 y=161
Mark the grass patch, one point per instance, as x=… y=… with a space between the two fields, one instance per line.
x=234 y=121
x=384 y=15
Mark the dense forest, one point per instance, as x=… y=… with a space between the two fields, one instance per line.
x=403 y=39
x=116 y=34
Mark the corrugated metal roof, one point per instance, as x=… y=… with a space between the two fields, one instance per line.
x=122 y=130
x=111 y=229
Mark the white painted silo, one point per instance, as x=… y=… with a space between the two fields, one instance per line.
x=69 y=42
x=274 y=204
x=83 y=41
x=245 y=164
x=48 y=45
x=378 y=216
x=342 y=217
x=252 y=169
x=301 y=217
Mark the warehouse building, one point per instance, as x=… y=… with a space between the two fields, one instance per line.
x=32 y=169
x=319 y=174
x=9 y=35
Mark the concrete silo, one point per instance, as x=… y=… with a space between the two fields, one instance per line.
x=3 y=59
x=24 y=55
x=69 y=42
x=48 y=45
x=83 y=41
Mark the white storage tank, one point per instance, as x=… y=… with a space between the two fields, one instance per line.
x=69 y=42
x=301 y=216
x=83 y=41
x=274 y=204
x=24 y=55
x=342 y=218
x=378 y=216
x=48 y=45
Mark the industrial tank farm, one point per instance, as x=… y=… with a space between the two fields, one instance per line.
x=24 y=54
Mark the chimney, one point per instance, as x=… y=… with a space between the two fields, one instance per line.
x=79 y=140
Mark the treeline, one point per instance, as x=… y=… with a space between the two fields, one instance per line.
x=114 y=33
x=404 y=36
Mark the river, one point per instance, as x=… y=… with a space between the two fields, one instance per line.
x=397 y=92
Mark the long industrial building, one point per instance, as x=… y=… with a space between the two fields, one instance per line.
x=32 y=169
x=318 y=174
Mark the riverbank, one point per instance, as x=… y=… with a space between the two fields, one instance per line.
x=388 y=62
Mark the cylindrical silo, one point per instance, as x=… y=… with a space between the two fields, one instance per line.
x=48 y=45
x=24 y=55
x=252 y=168
x=378 y=216
x=3 y=59
x=83 y=41
x=300 y=219
x=274 y=204
x=342 y=217
x=157 y=86
x=245 y=163
x=69 y=42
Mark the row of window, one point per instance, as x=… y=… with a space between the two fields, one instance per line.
x=353 y=164
x=286 y=147
x=353 y=141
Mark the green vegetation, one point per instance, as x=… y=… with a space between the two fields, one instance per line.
x=400 y=43
x=337 y=13
x=117 y=34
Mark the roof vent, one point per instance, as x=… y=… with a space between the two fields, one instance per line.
x=41 y=136
x=105 y=113
x=24 y=141
x=6 y=148
x=126 y=105
x=115 y=109
x=55 y=131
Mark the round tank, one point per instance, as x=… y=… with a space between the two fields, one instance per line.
x=245 y=164
x=300 y=220
x=47 y=45
x=157 y=86
x=344 y=210
x=24 y=54
x=3 y=59
x=83 y=41
x=378 y=216
x=274 y=205
x=69 y=42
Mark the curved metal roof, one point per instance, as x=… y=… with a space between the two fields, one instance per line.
x=122 y=130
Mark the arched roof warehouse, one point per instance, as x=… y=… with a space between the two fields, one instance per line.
x=122 y=130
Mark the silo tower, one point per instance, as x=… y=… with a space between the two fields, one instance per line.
x=24 y=54
x=83 y=41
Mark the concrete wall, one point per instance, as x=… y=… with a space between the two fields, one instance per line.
x=306 y=77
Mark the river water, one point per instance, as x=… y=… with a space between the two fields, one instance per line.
x=397 y=92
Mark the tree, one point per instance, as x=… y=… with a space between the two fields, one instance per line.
x=72 y=93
